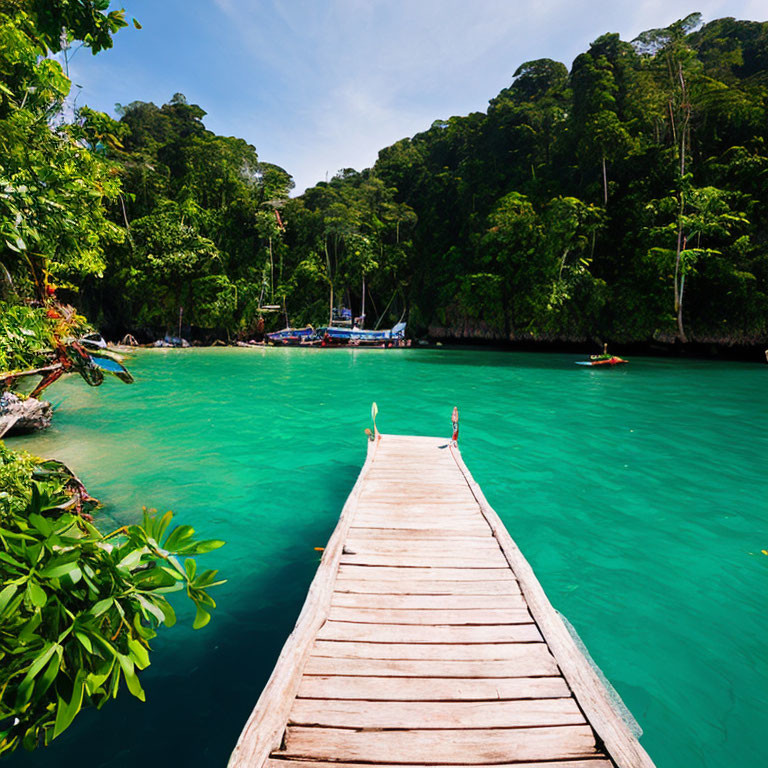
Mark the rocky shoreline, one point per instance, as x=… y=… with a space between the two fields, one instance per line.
x=19 y=416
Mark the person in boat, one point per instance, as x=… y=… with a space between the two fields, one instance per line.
x=604 y=355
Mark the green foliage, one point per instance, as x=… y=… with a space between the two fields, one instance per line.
x=52 y=190
x=78 y=608
x=152 y=212
x=25 y=336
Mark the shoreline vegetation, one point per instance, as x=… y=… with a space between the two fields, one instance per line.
x=78 y=606
x=621 y=199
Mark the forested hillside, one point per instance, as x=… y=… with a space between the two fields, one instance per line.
x=622 y=199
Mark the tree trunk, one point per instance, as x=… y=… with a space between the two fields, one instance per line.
x=362 y=307
x=681 y=239
x=680 y=328
x=330 y=280
x=505 y=311
x=271 y=273
x=678 y=252
x=605 y=184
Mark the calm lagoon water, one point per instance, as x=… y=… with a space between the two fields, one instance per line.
x=638 y=494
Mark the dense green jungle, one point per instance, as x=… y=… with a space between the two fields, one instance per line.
x=623 y=199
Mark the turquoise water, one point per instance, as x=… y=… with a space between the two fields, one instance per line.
x=637 y=494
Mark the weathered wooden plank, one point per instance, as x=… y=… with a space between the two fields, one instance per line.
x=342 y=713
x=437 y=513
x=427 y=587
x=532 y=660
x=395 y=539
x=405 y=546
x=434 y=616
x=462 y=747
x=407 y=526
x=438 y=518
x=394 y=573
x=430 y=534
x=448 y=483
x=427 y=502
x=445 y=477
x=286 y=763
x=432 y=688
x=426 y=559
x=469 y=526
x=405 y=633
x=438 y=651
x=435 y=498
x=427 y=602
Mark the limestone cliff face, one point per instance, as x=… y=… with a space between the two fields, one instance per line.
x=18 y=416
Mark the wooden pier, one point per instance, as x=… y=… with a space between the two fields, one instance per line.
x=426 y=640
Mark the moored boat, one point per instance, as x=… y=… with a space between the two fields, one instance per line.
x=294 y=337
x=338 y=336
x=611 y=361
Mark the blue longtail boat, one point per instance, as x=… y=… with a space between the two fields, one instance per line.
x=294 y=337
x=335 y=336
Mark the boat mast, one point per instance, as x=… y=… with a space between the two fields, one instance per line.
x=362 y=307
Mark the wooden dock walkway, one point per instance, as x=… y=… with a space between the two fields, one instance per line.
x=426 y=640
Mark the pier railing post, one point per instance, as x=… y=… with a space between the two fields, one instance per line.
x=455 y=424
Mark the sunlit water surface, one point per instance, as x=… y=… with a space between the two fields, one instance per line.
x=638 y=494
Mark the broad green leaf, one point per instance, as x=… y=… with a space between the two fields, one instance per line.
x=28 y=630
x=6 y=595
x=102 y=606
x=168 y=612
x=45 y=680
x=139 y=654
x=67 y=710
x=24 y=691
x=147 y=604
x=134 y=686
x=85 y=640
x=202 y=617
x=56 y=569
x=36 y=594
x=201 y=547
x=178 y=536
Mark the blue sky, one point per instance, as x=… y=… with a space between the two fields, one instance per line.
x=323 y=85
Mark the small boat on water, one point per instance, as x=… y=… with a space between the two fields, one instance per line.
x=294 y=337
x=171 y=341
x=342 y=331
x=611 y=361
x=333 y=336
